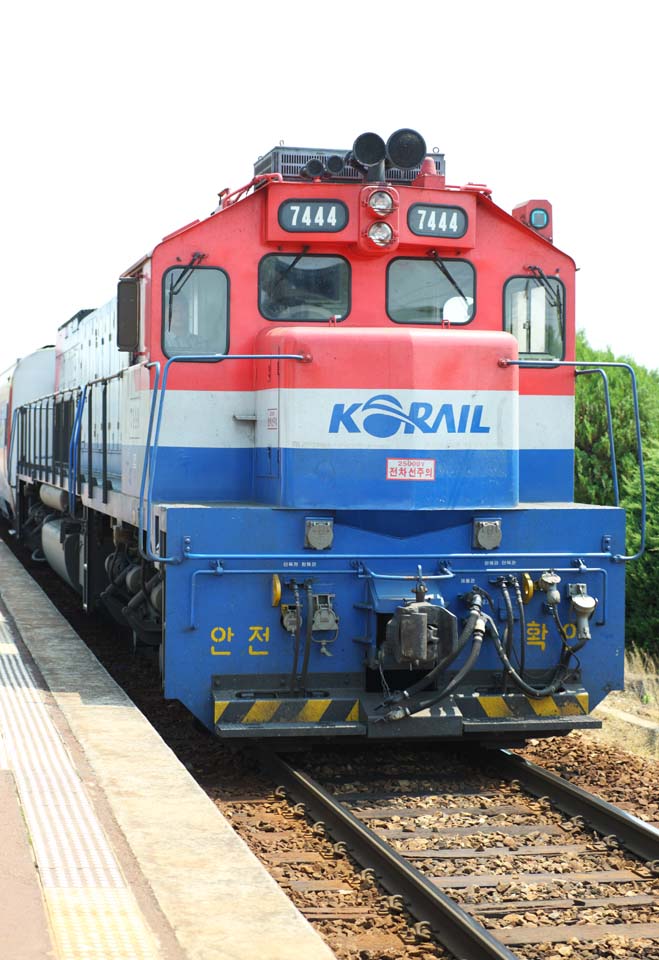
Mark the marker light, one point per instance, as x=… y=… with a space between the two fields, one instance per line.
x=381 y=203
x=381 y=234
x=539 y=218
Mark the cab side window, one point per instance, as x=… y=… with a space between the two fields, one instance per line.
x=195 y=311
x=534 y=312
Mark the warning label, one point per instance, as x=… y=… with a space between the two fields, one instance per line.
x=410 y=469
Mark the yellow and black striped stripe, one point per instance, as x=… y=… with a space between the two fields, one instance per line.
x=516 y=706
x=304 y=710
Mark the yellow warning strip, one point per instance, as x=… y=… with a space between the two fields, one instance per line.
x=546 y=707
x=98 y=924
x=313 y=710
x=220 y=707
x=354 y=712
x=495 y=707
x=261 y=711
x=583 y=701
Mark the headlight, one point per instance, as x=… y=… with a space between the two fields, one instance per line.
x=381 y=203
x=381 y=234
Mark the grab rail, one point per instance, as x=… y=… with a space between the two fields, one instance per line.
x=151 y=452
x=609 y=420
x=592 y=365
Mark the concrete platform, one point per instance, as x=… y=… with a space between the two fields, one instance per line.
x=110 y=849
x=631 y=732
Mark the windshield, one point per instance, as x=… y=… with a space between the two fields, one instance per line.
x=431 y=290
x=300 y=287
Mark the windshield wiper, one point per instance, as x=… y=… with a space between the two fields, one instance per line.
x=282 y=276
x=542 y=280
x=175 y=288
x=553 y=294
x=439 y=263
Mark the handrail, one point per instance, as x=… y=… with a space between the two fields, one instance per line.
x=72 y=479
x=609 y=420
x=550 y=364
x=151 y=455
x=14 y=421
x=146 y=465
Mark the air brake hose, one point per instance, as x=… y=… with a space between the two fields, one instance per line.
x=533 y=692
x=424 y=682
x=522 y=627
x=510 y=628
x=399 y=712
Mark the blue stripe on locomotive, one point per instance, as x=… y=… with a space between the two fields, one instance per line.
x=348 y=478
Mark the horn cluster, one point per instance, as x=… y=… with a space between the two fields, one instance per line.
x=404 y=149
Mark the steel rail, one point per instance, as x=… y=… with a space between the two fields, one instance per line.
x=636 y=835
x=457 y=930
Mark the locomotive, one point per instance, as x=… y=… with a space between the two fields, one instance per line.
x=319 y=453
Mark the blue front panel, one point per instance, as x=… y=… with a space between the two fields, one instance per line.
x=220 y=620
x=546 y=476
x=392 y=479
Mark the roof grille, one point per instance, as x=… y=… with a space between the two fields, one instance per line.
x=288 y=161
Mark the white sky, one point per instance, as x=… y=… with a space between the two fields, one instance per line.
x=121 y=121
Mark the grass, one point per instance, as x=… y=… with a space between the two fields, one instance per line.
x=642 y=682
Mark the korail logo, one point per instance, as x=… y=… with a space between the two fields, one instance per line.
x=383 y=415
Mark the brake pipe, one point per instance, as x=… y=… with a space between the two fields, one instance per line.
x=535 y=693
x=463 y=639
x=400 y=711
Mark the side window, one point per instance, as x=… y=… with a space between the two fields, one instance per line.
x=195 y=311
x=534 y=312
x=431 y=290
x=297 y=287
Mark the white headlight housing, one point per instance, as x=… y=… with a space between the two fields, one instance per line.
x=381 y=203
x=381 y=234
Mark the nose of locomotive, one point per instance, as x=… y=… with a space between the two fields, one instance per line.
x=434 y=423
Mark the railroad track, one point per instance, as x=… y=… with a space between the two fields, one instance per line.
x=496 y=863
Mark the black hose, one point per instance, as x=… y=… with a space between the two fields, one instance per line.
x=468 y=629
x=308 y=638
x=296 y=648
x=397 y=713
x=510 y=627
x=425 y=681
x=535 y=693
x=522 y=627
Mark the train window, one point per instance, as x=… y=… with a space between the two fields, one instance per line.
x=300 y=287
x=534 y=312
x=195 y=311
x=431 y=290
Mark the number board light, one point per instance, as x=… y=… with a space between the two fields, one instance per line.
x=433 y=220
x=313 y=216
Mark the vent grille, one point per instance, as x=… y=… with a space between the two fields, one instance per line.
x=288 y=161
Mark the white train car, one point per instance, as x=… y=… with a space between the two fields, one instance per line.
x=26 y=380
